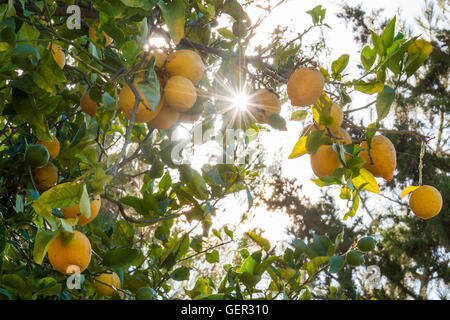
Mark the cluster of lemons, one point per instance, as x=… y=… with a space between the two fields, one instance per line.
x=77 y=251
x=182 y=70
x=304 y=88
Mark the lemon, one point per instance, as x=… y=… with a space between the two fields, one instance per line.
x=180 y=93
x=111 y=280
x=305 y=87
x=186 y=63
x=325 y=161
x=46 y=176
x=366 y=244
x=127 y=100
x=53 y=147
x=77 y=252
x=262 y=104
x=166 y=118
x=425 y=202
x=354 y=258
x=36 y=156
x=88 y=105
x=383 y=156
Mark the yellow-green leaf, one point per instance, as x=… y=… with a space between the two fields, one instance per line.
x=366 y=181
x=408 y=190
x=299 y=148
x=173 y=13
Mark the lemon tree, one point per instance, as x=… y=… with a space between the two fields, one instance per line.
x=89 y=175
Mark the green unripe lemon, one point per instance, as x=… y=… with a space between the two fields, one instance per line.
x=366 y=244
x=36 y=156
x=355 y=258
x=146 y=293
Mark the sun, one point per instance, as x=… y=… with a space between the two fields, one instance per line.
x=240 y=101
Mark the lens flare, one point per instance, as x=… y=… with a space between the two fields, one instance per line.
x=240 y=101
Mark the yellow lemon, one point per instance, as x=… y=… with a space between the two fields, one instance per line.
x=186 y=63
x=105 y=282
x=88 y=105
x=73 y=212
x=426 y=202
x=53 y=147
x=305 y=87
x=77 y=252
x=325 y=161
x=47 y=176
x=383 y=156
x=127 y=100
x=180 y=93
x=262 y=104
x=166 y=118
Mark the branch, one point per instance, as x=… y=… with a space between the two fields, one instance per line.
x=143 y=221
x=399 y=132
x=204 y=251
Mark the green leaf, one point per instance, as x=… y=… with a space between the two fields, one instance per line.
x=64 y=195
x=277 y=122
x=339 y=65
x=228 y=232
x=314 y=264
x=314 y=141
x=123 y=233
x=355 y=205
x=44 y=239
x=322 y=245
x=378 y=43
x=365 y=180
x=384 y=102
x=368 y=87
x=85 y=203
x=173 y=14
x=299 y=115
x=25 y=56
x=356 y=162
x=368 y=56
x=336 y=264
x=304 y=248
x=27 y=33
x=212 y=257
x=150 y=89
x=228 y=34
x=2 y=239
x=388 y=34
x=180 y=274
x=264 y=243
x=196 y=243
x=217 y=234
x=317 y=14
x=48 y=287
x=120 y=257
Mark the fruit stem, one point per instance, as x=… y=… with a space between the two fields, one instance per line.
x=32 y=179
x=422 y=153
